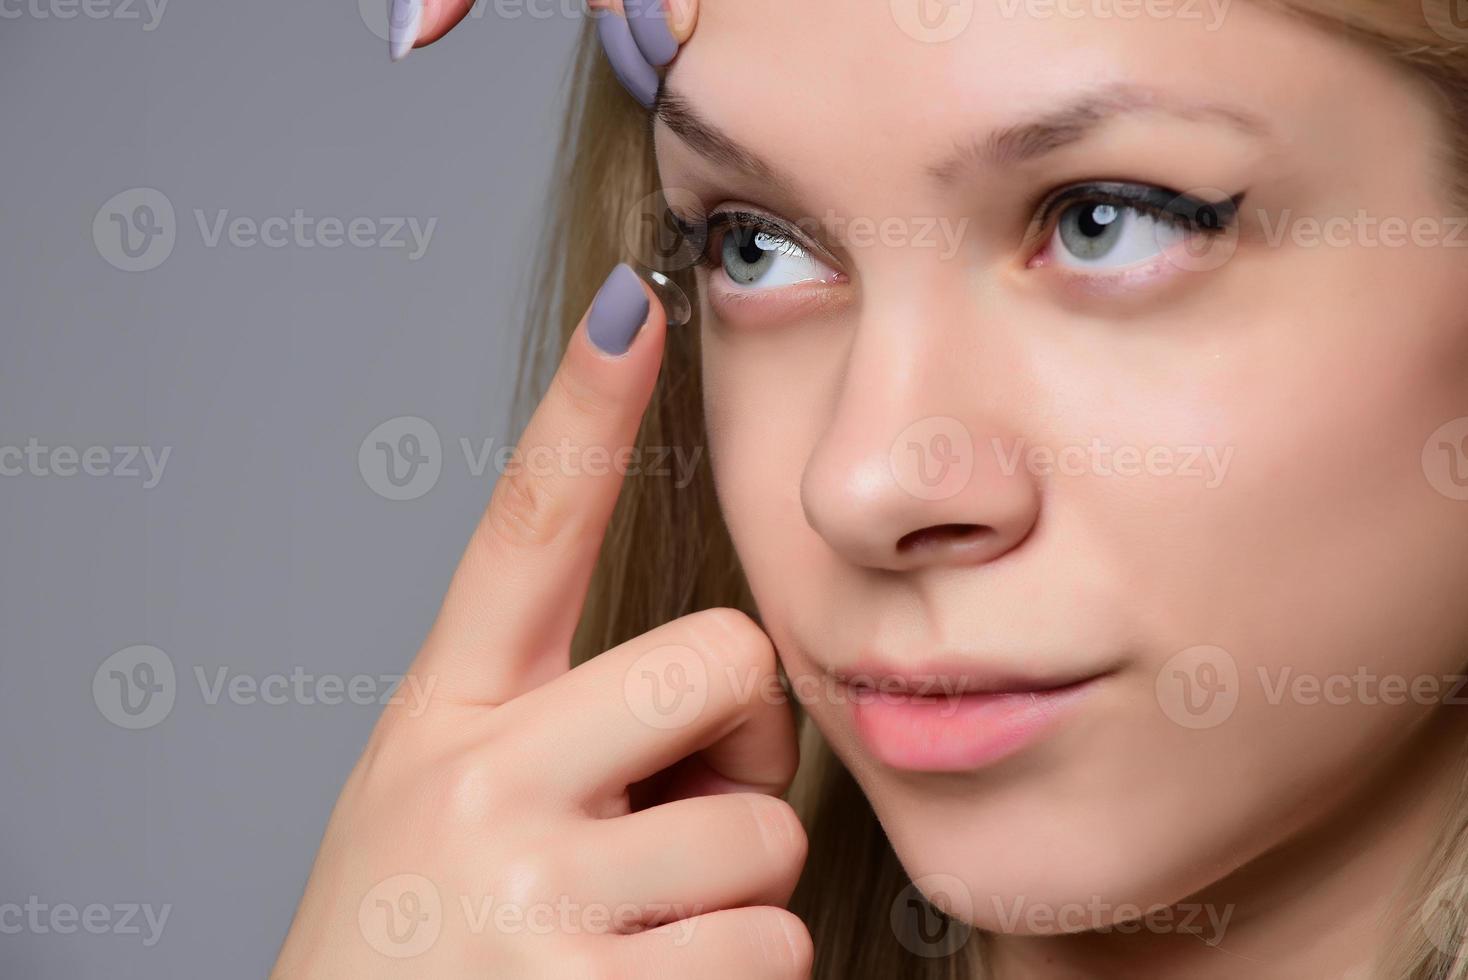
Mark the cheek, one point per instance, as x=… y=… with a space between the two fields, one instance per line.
x=766 y=399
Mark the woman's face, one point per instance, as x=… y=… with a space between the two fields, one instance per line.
x=1099 y=364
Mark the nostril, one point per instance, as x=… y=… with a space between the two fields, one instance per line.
x=943 y=535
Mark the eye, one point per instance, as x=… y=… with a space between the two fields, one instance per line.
x=1115 y=226
x=756 y=254
x=1106 y=236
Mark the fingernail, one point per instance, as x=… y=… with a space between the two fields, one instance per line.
x=404 y=19
x=648 y=20
x=630 y=67
x=618 y=312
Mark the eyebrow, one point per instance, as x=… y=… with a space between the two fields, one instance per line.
x=1007 y=146
x=710 y=142
x=1074 y=122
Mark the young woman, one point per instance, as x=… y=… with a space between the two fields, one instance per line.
x=1080 y=397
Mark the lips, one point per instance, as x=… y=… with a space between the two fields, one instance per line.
x=945 y=718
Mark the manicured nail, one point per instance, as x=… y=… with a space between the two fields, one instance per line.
x=648 y=20
x=403 y=22
x=628 y=64
x=618 y=312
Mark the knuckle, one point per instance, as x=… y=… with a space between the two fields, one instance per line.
x=522 y=510
x=468 y=790
x=533 y=877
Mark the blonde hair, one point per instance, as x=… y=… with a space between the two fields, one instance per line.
x=667 y=552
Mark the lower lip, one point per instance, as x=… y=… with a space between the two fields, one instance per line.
x=947 y=733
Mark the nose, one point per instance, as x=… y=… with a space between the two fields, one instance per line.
x=919 y=465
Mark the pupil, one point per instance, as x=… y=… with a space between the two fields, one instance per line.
x=748 y=251
x=1094 y=221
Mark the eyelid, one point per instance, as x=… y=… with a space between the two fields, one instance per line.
x=707 y=224
x=1160 y=202
x=1154 y=200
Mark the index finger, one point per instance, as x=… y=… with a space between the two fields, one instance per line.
x=514 y=601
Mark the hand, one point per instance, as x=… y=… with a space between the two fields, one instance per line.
x=639 y=36
x=539 y=821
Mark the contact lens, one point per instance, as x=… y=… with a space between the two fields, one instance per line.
x=675 y=301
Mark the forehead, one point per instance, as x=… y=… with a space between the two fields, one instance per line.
x=857 y=87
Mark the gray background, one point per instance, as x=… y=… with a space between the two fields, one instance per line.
x=264 y=547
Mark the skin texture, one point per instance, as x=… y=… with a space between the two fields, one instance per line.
x=1324 y=370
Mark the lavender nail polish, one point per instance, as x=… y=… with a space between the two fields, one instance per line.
x=618 y=312
x=630 y=67
x=648 y=20
x=404 y=20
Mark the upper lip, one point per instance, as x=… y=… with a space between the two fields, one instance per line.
x=954 y=676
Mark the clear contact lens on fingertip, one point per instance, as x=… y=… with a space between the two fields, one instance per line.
x=676 y=305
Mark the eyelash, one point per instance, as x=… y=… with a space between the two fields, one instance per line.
x=1194 y=214
x=710 y=230
x=1182 y=210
